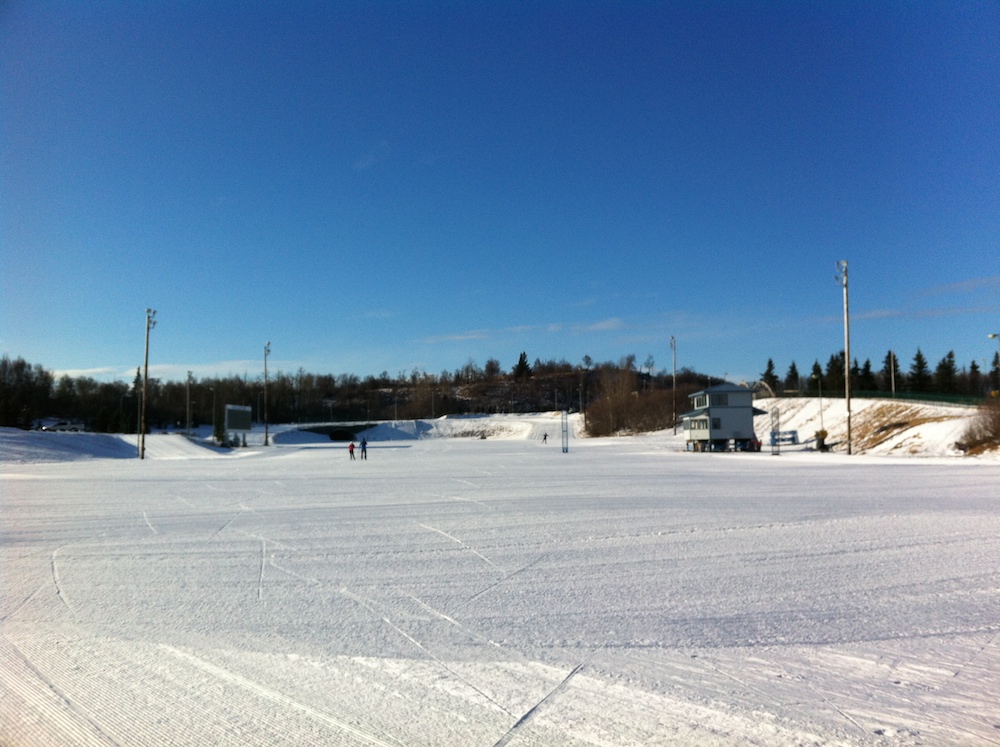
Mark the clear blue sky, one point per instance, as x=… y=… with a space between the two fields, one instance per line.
x=390 y=185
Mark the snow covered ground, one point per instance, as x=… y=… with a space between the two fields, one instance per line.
x=497 y=591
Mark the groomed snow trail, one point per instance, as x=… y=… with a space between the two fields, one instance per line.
x=479 y=592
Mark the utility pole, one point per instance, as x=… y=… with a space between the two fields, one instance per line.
x=842 y=279
x=150 y=323
x=267 y=352
x=673 y=347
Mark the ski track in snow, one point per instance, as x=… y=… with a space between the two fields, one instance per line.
x=470 y=549
x=625 y=593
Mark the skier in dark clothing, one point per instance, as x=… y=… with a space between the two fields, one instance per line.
x=364 y=448
x=350 y=449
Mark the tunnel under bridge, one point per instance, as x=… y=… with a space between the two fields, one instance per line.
x=340 y=431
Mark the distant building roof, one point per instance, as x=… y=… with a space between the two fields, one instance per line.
x=722 y=388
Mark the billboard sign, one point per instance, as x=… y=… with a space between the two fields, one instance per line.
x=239 y=418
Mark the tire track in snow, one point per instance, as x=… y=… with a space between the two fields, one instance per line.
x=370 y=606
x=55 y=580
x=509 y=576
x=281 y=699
x=456 y=539
x=22 y=603
x=441 y=664
x=223 y=527
x=505 y=739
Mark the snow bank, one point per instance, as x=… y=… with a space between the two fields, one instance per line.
x=46 y=446
x=878 y=426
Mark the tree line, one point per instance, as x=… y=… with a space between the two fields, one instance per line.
x=613 y=394
x=615 y=397
x=946 y=378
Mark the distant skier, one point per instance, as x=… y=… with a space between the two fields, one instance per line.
x=350 y=450
x=364 y=448
x=545 y=437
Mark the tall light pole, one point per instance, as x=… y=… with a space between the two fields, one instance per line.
x=842 y=279
x=150 y=323
x=189 y=404
x=673 y=393
x=267 y=352
x=995 y=370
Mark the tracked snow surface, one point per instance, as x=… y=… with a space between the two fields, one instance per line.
x=470 y=585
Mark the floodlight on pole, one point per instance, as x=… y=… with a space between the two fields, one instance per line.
x=150 y=323
x=842 y=279
x=267 y=352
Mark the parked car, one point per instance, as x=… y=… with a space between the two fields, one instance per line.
x=64 y=425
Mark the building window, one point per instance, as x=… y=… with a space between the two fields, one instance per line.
x=720 y=400
x=700 y=402
x=716 y=423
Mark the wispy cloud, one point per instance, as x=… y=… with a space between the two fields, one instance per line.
x=612 y=324
x=476 y=334
x=972 y=285
x=253 y=368
x=876 y=314
x=104 y=373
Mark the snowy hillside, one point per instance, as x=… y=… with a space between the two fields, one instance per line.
x=879 y=427
x=882 y=426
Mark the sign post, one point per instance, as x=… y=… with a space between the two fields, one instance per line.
x=239 y=419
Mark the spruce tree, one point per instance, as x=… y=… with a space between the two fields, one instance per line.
x=522 y=370
x=834 y=378
x=816 y=377
x=920 y=376
x=867 y=382
x=769 y=377
x=891 y=376
x=974 y=380
x=946 y=374
x=792 y=378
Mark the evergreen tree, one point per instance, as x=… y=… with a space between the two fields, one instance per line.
x=920 y=376
x=834 y=378
x=769 y=377
x=867 y=382
x=522 y=370
x=792 y=378
x=974 y=380
x=816 y=378
x=946 y=374
x=891 y=378
x=995 y=373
